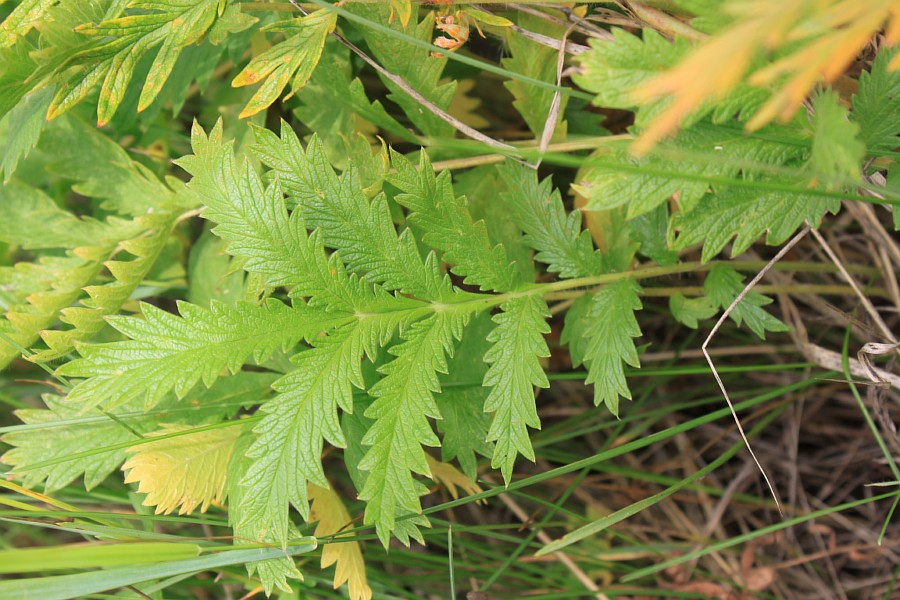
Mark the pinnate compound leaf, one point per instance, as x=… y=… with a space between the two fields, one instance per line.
x=122 y=42
x=518 y=346
x=724 y=284
x=291 y=61
x=448 y=226
x=21 y=20
x=168 y=352
x=328 y=509
x=361 y=230
x=185 y=471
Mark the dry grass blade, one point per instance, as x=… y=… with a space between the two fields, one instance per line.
x=787 y=247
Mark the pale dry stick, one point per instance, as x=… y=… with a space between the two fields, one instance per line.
x=584 y=26
x=556 y=103
x=864 y=300
x=580 y=575
x=412 y=93
x=712 y=365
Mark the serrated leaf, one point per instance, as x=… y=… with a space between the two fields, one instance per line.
x=26 y=122
x=747 y=214
x=876 y=106
x=612 y=69
x=724 y=284
x=418 y=68
x=404 y=399
x=182 y=472
x=557 y=237
x=328 y=509
x=288 y=447
x=292 y=60
x=168 y=352
x=537 y=61
x=609 y=329
x=689 y=310
x=515 y=369
x=837 y=151
x=447 y=225
x=361 y=230
x=613 y=177
x=465 y=425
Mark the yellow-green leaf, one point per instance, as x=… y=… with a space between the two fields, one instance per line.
x=185 y=471
x=295 y=57
x=332 y=516
x=451 y=478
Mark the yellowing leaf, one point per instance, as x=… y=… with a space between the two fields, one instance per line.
x=332 y=516
x=451 y=478
x=827 y=35
x=185 y=471
x=296 y=58
x=402 y=8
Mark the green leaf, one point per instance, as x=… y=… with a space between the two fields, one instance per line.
x=748 y=215
x=288 y=447
x=876 y=107
x=94 y=582
x=613 y=178
x=33 y=220
x=85 y=556
x=292 y=60
x=689 y=310
x=447 y=225
x=612 y=69
x=404 y=398
x=609 y=327
x=168 y=352
x=837 y=151
x=537 y=61
x=415 y=65
x=255 y=222
x=518 y=346
x=122 y=42
x=211 y=274
x=23 y=17
x=724 y=284
x=538 y=210
x=26 y=122
x=61 y=431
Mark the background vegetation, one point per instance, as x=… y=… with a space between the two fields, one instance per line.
x=402 y=300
